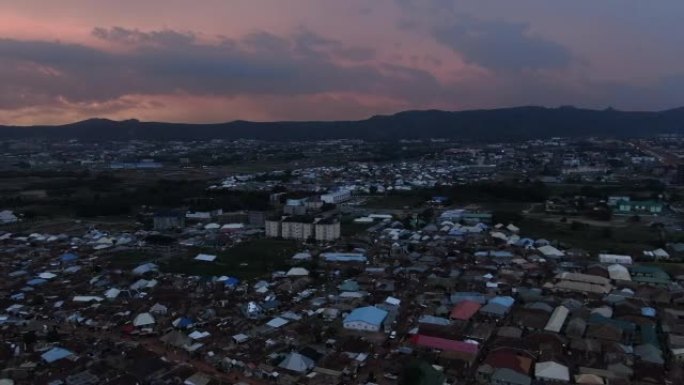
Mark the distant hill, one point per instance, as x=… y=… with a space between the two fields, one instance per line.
x=507 y=124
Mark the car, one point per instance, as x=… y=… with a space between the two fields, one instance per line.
x=393 y=334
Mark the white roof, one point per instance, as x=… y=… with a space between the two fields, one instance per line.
x=393 y=301
x=112 y=293
x=196 y=335
x=297 y=271
x=87 y=298
x=277 y=322
x=301 y=256
x=143 y=319
x=550 y=251
x=619 y=272
x=557 y=319
x=297 y=363
x=550 y=370
x=205 y=257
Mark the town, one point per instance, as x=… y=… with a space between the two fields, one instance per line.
x=428 y=262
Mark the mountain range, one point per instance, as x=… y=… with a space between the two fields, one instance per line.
x=506 y=124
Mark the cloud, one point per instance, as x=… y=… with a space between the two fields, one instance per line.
x=167 y=37
x=501 y=45
x=168 y=62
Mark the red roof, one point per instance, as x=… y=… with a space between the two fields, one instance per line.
x=510 y=359
x=464 y=310
x=444 y=344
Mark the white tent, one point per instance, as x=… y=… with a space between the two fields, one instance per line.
x=143 y=319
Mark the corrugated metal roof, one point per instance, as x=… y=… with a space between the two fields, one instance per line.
x=444 y=344
x=558 y=317
x=369 y=314
x=465 y=310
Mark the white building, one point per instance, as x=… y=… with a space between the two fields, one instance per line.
x=615 y=258
x=336 y=197
x=291 y=228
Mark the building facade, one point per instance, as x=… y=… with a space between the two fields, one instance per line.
x=303 y=228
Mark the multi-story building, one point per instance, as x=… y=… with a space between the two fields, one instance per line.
x=294 y=229
x=303 y=228
x=327 y=230
x=272 y=228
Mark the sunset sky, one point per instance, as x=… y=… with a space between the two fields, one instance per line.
x=220 y=60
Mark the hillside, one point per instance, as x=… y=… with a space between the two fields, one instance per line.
x=509 y=124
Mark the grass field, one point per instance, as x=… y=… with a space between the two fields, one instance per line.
x=130 y=259
x=625 y=239
x=246 y=260
x=350 y=228
x=395 y=201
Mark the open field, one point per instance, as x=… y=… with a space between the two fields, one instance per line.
x=632 y=238
x=246 y=260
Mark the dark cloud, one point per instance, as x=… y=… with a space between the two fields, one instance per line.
x=501 y=45
x=172 y=62
x=165 y=37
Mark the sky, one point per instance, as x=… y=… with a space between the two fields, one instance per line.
x=221 y=60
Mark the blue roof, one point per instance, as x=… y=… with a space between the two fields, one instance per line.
x=231 y=281
x=341 y=257
x=36 y=282
x=467 y=296
x=184 y=322
x=55 y=354
x=68 y=257
x=648 y=312
x=503 y=301
x=369 y=314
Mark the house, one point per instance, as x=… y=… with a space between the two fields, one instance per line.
x=504 y=366
x=296 y=362
x=558 y=317
x=297 y=272
x=639 y=207
x=551 y=372
x=505 y=376
x=464 y=310
x=335 y=197
x=650 y=275
x=615 y=258
x=463 y=351
x=369 y=318
x=618 y=272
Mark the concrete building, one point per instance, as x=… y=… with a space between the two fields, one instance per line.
x=327 y=230
x=336 y=197
x=303 y=228
x=272 y=228
x=294 y=229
